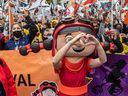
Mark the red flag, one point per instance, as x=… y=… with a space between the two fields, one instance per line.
x=76 y=7
x=11 y=17
x=11 y=4
x=126 y=2
x=89 y=2
x=126 y=18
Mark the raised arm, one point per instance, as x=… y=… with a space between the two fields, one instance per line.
x=31 y=25
x=102 y=58
x=61 y=53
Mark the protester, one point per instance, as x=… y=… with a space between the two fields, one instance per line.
x=1 y=41
x=18 y=38
x=1 y=36
x=116 y=45
x=48 y=34
x=118 y=27
x=34 y=24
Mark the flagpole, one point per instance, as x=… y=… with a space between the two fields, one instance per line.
x=2 y=7
x=9 y=19
x=112 y=15
x=2 y=4
x=121 y=3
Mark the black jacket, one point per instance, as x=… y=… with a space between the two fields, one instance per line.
x=31 y=26
x=2 y=91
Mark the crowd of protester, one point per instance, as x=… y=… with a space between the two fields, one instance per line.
x=27 y=30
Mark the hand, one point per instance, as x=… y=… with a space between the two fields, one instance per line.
x=113 y=36
x=89 y=36
x=20 y=18
x=77 y=38
x=25 y=13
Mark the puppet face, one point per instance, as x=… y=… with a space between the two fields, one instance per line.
x=78 y=49
x=48 y=92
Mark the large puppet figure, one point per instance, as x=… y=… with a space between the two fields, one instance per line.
x=73 y=43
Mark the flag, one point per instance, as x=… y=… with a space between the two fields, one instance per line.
x=106 y=6
x=32 y=1
x=89 y=2
x=76 y=7
x=11 y=18
x=73 y=6
x=126 y=2
x=70 y=8
x=22 y=3
x=126 y=18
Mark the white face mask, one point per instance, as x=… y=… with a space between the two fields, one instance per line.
x=50 y=37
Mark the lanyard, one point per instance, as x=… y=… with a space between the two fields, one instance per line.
x=16 y=45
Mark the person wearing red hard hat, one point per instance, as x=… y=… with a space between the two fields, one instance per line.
x=73 y=43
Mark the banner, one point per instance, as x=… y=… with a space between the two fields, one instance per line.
x=29 y=71
x=111 y=79
x=106 y=6
x=34 y=74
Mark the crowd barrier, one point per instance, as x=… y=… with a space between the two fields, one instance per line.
x=30 y=71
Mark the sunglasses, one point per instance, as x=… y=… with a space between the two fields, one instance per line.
x=75 y=28
x=70 y=20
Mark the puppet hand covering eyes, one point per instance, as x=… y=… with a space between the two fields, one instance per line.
x=73 y=43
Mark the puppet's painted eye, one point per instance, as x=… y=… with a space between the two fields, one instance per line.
x=68 y=38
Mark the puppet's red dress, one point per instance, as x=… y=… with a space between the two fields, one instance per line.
x=72 y=77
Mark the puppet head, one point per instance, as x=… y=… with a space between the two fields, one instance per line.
x=46 y=89
x=67 y=30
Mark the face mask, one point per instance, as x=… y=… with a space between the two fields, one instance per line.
x=17 y=34
x=45 y=38
x=1 y=29
x=50 y=36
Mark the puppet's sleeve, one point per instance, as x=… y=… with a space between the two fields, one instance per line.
x=89 y=69
x=59 y=70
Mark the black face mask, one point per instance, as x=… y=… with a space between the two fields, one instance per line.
x=17 y=34
x=1 y=29
x=45 y=38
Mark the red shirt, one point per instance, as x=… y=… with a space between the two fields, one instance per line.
x=7 y=79
x=73 y=74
